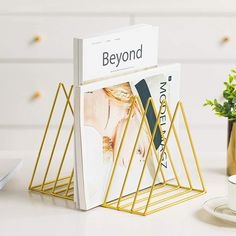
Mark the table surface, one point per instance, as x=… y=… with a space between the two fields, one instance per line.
x=26 y=213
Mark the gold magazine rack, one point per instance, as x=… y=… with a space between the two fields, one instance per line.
x=143 y=201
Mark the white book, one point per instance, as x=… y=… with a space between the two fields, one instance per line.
x=116 y=52
x=101 y=110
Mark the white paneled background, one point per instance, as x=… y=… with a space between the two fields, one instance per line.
x=36 y=53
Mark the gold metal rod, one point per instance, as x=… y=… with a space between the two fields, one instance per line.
x=49 y=189
x=68 y=96
x=192 y=146
x=170 y=197
x=174 y=203
x=163 y=200
x=163 y=151
x=133 y=152
x=129 y=196
x=58 y=186
x=188 y=189
x=62 y=197
x=153 y=196
x=184 y=187
x=50 y=182
x=72 y=129
x=51 y=194
x=63 y=190
x=44 y=136
x=63 y=158
x=154 y=180
x=167 y=149
x=55 y=142
x=115 y=208
x=69 y=183
x=148 y=152
x=119 y=150
x=124 y=210
x=150 y=134
x=178 y=143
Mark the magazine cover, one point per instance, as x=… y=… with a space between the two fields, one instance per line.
x=159 y=87
x=119 y=51
x=101 y=113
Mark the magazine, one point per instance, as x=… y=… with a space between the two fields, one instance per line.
x=116 y=52
x=101 y=113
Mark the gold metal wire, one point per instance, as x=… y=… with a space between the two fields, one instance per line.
x=62 y=186
x=155 y=198
x=148 y=197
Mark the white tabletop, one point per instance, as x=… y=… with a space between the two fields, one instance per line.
x=25 y=213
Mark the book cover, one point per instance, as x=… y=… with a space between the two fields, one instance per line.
x=101 y=112
x=116 y=52
x=165 y=86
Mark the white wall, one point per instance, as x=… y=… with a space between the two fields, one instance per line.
x=191 y=32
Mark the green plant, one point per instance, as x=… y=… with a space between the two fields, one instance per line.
x=228 y=107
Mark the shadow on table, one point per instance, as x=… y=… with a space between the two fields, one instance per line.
x=206 y=218
x=50 y=200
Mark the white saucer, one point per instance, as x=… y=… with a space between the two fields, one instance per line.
x=218 y=207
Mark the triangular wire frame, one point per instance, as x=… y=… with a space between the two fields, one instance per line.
x=143 y=201
x=60 y=186
x=145 y=198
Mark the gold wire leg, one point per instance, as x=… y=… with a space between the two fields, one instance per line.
x=192 y=146
x=133 y=152
x=150 y=133
x=44 y=136
x=57 y=182
x=68 y=96
x=163 y=137
x=146 y=159
x=63 y=159
x=70 y=135
x=55 y=143
x=159 y=164
x=118 y=153
x=69 y=183
x=177 y=141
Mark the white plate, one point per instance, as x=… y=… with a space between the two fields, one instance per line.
x=218 y=207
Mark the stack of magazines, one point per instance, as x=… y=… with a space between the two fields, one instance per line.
x=109 y=70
